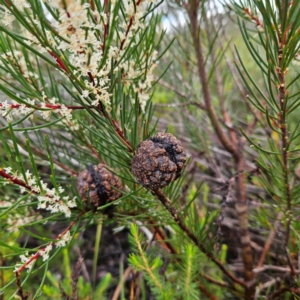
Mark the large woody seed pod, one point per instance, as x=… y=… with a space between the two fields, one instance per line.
x=97 y=186
x=158 y=161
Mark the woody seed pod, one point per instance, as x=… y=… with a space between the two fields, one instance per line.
x=159 y=160
x=97 y=186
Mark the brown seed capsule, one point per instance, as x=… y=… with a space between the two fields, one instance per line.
x=158 y=161
x=97 y=186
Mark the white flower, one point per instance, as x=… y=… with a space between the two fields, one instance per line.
x=44 y=253
x=64 y=240
x=17 y=221
x=8 y=170
x=85 y=93
x=45 y=113
x=53 y=203
x=25 y=259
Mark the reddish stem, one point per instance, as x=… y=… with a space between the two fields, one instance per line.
x=106 y=26
x=253 y=18
x=19 y=182
x=92 y=4
x=91 y=78
x=38 y=254
x=51 y=106
x=16 y=181
x=59 y=62
x=127 y=31
x=120 y=132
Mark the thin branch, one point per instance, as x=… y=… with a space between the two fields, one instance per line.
x=20 y=293
x=232 y=70
x=266 y=285
x=166 y=203
x=283 y=290
x=192 y=11
x=284 y=136
x=162 y=238
x=119 y=286
x=180 y=94
x=217 y=282
x=206 y=292
x=220 y=84
x=270 y=240
x=273 y=268
x=182 y=104
x=39 y=253
x=50 y=106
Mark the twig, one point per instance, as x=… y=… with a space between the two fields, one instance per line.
x=106 y=26
x=254 y=18
x=220 y=84
x=274 y=268
x=50 y=106
x=172 y=88
x=278 y=292
x=90 y=146
x=166 y=203
x=162 y=238
x=16 y=181
x=181 y=104
x=266 y=285
x=20 y=294
x=242 y=210
x=180 y=94
x=193 y=16
x=284 y=136
x=270 y=240
x=59 y=62
x=84 y=270
x=283 y=290
x=39 y=253
x=219 y=283
x=206 y=292
x=75 y=276
x=293 y=271
x=119 y=286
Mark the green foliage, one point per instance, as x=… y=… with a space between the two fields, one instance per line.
x=278 y=43
x=188 y=278
x=149 y=265
x=76 y=81
x=53 y=287
x=184 y=272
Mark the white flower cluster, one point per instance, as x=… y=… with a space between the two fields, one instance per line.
x=25 y=260
x=81 y=36
x=17 y=59
x=50 y=200
x=62 y=111
x=143 y=87
x=64 y=239
x=81 y=32
x=80 y=40
x=18 y=220
x=44 y=253
x=28 y=260
x=7 y=17
x=8 y=110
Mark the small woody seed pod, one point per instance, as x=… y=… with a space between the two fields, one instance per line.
x=97 y=186
x=159 y=160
